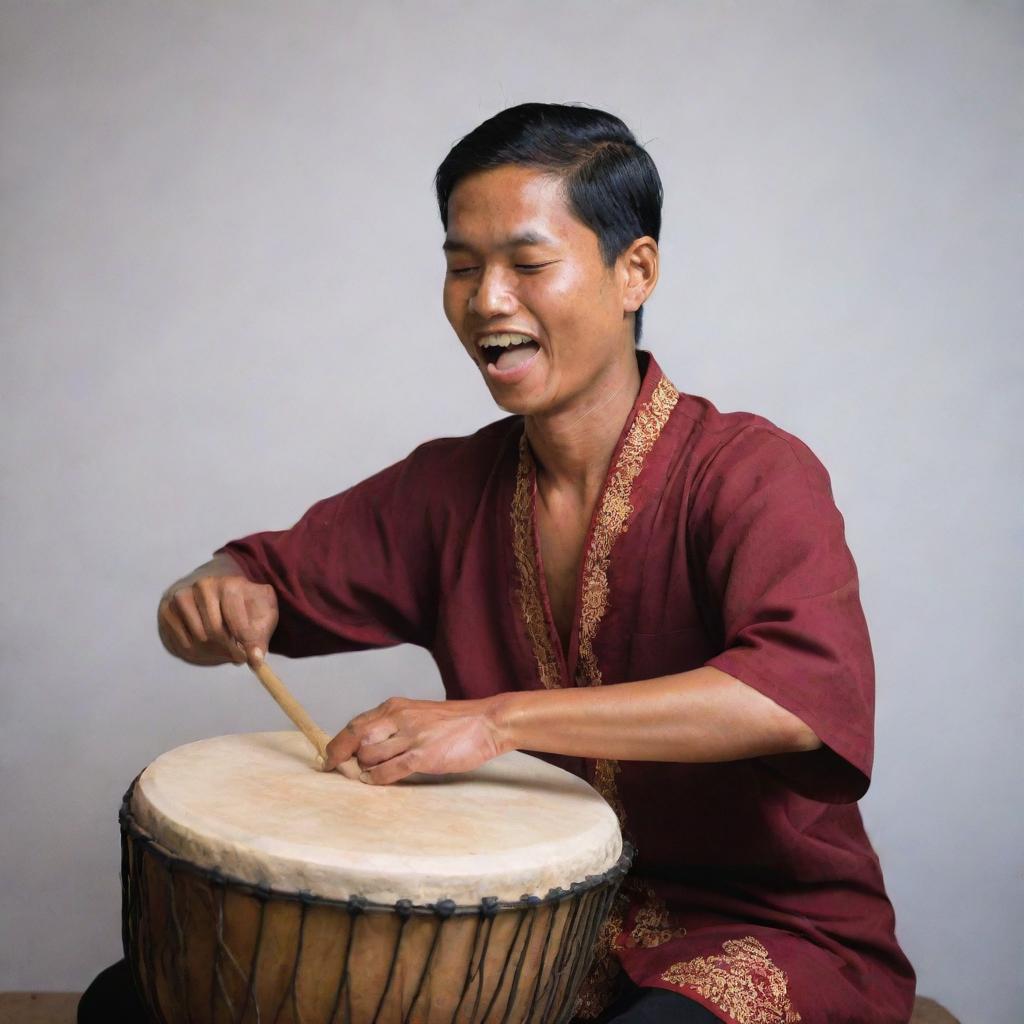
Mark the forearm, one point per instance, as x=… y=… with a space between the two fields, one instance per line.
x=697 y=716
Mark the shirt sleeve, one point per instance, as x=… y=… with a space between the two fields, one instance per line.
x=357 y=570
x=779 y=570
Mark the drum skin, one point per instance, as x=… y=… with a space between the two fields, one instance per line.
x=206 y=948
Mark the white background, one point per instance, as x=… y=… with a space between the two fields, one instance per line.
x=222 y=300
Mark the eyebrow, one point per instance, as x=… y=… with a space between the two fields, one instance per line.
x=455 y=244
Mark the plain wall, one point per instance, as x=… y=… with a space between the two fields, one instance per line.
x=221 y=301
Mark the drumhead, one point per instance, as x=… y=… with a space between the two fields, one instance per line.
x=253 y=807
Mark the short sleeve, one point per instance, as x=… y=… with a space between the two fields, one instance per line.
x=357 y=570
x=778 y=568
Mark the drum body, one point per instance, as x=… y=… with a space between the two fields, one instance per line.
x=224 y=927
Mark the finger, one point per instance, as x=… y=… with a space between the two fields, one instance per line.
x=395 y=770
x=344 y=746
x=184 y=604
x=175 y=628
x=208 y=606
x=239 y=628
x=371 y=754
x=341 y=748
x=261 y=612
x=350 y=768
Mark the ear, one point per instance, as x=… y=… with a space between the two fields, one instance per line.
x=639 y=269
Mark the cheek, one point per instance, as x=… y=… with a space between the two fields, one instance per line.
x=449 y=302
x=570 y=307
x=556 y=297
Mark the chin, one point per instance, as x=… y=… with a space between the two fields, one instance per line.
x=519 y=400
x=521 y=405
x=511 y=404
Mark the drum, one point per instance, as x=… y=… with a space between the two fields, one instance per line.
x=257 y=889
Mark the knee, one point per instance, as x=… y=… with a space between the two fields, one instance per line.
x=111 y=996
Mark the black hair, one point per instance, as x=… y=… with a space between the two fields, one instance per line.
x=611 y=183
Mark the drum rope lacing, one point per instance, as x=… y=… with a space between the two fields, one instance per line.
x=592 y=899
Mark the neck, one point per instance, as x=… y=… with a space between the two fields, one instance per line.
x=573 y=447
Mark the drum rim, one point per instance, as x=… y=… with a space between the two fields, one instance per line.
x=359 y=904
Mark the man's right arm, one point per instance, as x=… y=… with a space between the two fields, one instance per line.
x=215 y=615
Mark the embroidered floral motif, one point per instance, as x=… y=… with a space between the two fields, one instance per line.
x=530 y=603
x=742 y=981
x=653 y=923
x=651 y=927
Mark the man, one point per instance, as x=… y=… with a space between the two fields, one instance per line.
x=651 y=593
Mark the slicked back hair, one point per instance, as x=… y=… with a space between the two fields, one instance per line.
x=611 y=183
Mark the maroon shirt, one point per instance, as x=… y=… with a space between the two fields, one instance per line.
x=716 y=541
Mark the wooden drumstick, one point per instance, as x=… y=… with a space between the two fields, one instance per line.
x=298 y=714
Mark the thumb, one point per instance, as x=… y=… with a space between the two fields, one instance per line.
x=250 y=635
x=261 y=621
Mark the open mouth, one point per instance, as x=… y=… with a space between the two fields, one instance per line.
x=507 y=351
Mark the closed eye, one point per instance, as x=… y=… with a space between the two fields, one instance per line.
x=457 y=271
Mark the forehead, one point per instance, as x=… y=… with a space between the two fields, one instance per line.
x=507 y=206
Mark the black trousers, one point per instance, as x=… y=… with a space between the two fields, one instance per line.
x=112 y=997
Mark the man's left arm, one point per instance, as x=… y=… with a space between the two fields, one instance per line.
x=793 y=682
x=697 y=716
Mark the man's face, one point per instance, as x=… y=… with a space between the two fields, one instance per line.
x=518 y=261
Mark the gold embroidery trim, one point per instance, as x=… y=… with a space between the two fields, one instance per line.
x=613 y=517
x=651 y=927
x=612 y=521
x=604 y=782
x=530 y=604
x=741 y=980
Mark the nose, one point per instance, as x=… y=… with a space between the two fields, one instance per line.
x=493 y=297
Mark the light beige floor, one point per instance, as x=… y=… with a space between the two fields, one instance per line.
x=59 y=1008
x=927 y=1011
x=38 y=1007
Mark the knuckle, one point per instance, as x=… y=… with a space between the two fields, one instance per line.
x=380 y=733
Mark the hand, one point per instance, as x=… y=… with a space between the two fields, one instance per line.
x=403 y=736
x=217 y=620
